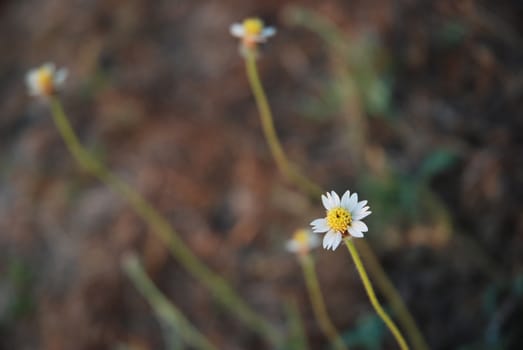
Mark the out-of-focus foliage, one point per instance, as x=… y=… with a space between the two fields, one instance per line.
x=402 y=196
x=367 y=334
x=359 y=68
x=16 y=292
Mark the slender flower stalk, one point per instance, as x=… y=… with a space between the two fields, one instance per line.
x=301 y=243
x=285 y=167
x=163 y=308
x=318 y=304
x=297 y=339
x=219 y=287
x=312 y=189
x=372 y=296
x=394 y=299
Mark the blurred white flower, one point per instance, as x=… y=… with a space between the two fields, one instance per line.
x=252 y=31
x=343 y=218
x=45 y=80
x=302 y=242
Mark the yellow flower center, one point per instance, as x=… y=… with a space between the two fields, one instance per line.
x=44 y=79
x=339 y=219
x=301 y=237
x=253 y=26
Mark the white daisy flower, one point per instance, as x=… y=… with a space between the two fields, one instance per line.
x=343 y=218
x=302 y=242
x=45 y=80
x=252 y=31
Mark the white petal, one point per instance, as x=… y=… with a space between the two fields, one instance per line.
x=60 y=76
x=236 y=30
x=360 y=205
x=352 y=202
x=360 y=226
x=291 y=246
x=328 y=239
x=34 y=87
x=268 y=32
x=329 y=200
x=325 y=199
x=345 y=199
x=357 y=210
x=335 y=199
x=361 y=215
x=30 y=80
x=319 y=225
x=29 y=77
x=354 y=232
x=364 y=209
x=50 y=66
x=314 y=241
x=337 y=241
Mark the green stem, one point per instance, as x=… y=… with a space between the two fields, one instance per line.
x=393 y=297
x=268 y=127
x=309 y=187
x=318 y=305
x=163 y=308
x=297 y=338
x=215 y=283
x=372 y=296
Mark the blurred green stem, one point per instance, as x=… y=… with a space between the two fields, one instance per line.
x=389 y=291
x=309 y=187
x=372 y=296
x=318 y=305
x=297 y=338
x=219 y=287
x=164 y=309
x=286 y=168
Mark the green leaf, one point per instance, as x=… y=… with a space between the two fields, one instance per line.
x=436 y=162
x=369 y=333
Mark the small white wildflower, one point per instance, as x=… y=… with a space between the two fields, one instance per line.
x=343 y=218
x=302 y=242
x=45 y=80
x=252 y=31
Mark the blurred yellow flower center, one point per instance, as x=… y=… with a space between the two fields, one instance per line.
x=301 y=237
x=339 y=219
x=44 y=79
x=253 y=26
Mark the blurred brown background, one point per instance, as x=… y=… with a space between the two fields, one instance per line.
x=414 y=104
